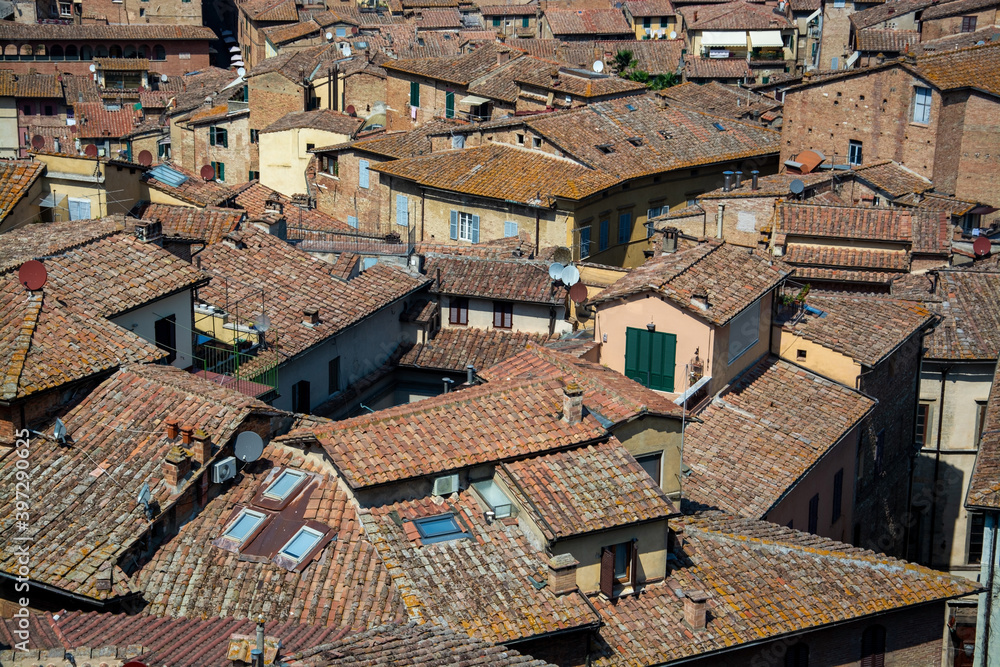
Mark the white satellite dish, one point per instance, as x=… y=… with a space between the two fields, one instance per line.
x=598 y=66
x=234 y=49
x=238 y=63
x=555 y=271
x=163 y=78
x=262 y=323
x=241 y=72
x=59 y=431
x=797 y=186
x=249 y=446
x=673 y=34
x=345 y=50
x=329 y=36
x=93 y=68
x=570 y=275
x=144 y=494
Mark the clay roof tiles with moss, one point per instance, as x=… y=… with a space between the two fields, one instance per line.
x=589 y=22
x=455 y=348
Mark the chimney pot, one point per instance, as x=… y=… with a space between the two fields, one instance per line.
x=572 y=403
x=739 y=179
x=562 y=574
x=695 y=613
x=173 y=428
x=201 y=449
x=176 y=466
x=187 y=432
x=311 y=315
x=727 y=183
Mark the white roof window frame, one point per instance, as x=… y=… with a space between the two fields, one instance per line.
x=724 y=38
x=317 y=538
x=271 y=494
x=258 y=520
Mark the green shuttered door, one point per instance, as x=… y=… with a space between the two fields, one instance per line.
x=650 y=358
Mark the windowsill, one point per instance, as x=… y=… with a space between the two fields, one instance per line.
x=914 y=123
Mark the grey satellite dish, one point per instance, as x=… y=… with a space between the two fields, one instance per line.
x=562 y=255
x=60 y=430
x=241 y=71
x=144 y=494
x=797 y=187
x=673 y=34
x=598 y=66
x=249 y=446
x=555 y=270
x=262 y=323
x=570 y=275
x=329 y=36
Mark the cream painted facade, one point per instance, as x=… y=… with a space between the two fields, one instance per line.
x=650 y=27
x=9 y=139
x=651 y=434
x=141 y=321
x=91 y=185
x=815 y=357
x=695 y=336
x=742 y=43
x=284 y=156
x=533 y=318
x=650 y=538
x=216 y=324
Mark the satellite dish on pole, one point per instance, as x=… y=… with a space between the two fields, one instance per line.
x=555 y=271
x=32 y=275
x=598 y=66
x=673 y=34
x=145 y=158
x=981 y=246
x=241 y=71
x=60 y=431
x=38 y=142
x=578 y=293
x=93 y=68
x=797 y=186
x=90 y=150
x=329 y=36
x=249 y=447
x=144 y=494
x=164 y=78
x=262 y=323
x=207 y=172
x=570 y=276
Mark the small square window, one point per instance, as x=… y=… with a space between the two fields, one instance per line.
x=299 y=546
x=245 y=524
x=284 y=485
x=800 y=355
x=536 y=142
x=520 y=140
x=439 y=529
x=309 y=147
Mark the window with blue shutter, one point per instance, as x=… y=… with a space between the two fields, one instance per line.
x=475 y=229
x=602 y=240
x=584 y=242
x=625 y=227
x=352 y=220
x=363 y=173
x=509 y=229
x=341 y=32
x=454 y=226
x=402 y=211
x=921 y=105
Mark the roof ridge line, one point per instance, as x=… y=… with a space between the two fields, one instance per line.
x=21 y=345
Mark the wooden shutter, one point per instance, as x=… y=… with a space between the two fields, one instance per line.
x=449 y=104
x=497 y=315
x=414 y=94
x=363 y=173
x=608 y=571
x=634 y=568
x=475 y=229
x=662 y=359
x=602 y=239
x=454 y=226
x=633 y=340
x=402 y=211
x=352 y=221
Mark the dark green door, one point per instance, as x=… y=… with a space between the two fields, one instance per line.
x=449 y=104
x=650 y=357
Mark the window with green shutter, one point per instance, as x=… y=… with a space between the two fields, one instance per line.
x=449 y=104
x=524 y=22
x=650 y=358
x=414 y=94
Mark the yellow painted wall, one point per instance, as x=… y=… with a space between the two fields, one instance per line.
x=820 y=360
x=284 y=157
x=652 y=543
x=650 y=434
x=656 y=23
x=216 y=327
x=724 y=371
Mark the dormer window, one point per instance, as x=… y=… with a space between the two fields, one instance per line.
x=441 y=528
x=299 y=546
x=244 y=526
x=606 y=148
x=282 y=487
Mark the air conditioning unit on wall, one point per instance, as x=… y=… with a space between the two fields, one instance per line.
x=224 y=470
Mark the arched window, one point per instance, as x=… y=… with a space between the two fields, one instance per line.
x=129 y=52
x=144 y=51
x=26 y=51
x=71 y=52
x=115 y=51
x=797 y=656
x=873 y=647
x=56 y=52
x=159 y=53
x=101 y=52
x=86 y=53
x=10 y=52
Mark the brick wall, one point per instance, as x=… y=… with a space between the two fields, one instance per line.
x=182 y=56
x=979 y=154
x=362 y=91
x=742 y=218
x=836 y=37
x=341 y=196
x=236 y=156
x=952 y=25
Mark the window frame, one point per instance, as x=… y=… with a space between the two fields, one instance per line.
x=641 y=459
x=624 y=227
x=922 y=427
x=220 y=170
x=981 y=409
x=466 y=226
x=604 y=235
x=922 y=100
x=435 y=536
x=855 y=152
x=415 y=94
x=259 y=517
x=975 y=533
x=585 y=242
x=312 y=532
x=814 y=514
x=739 y=318
x=218 y=136
x=299 y=478
x=170 y=344
x=458 y=310
x=333 y=375
x=503 y=315
x=968 y=24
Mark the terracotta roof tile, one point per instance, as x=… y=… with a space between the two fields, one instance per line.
x=885 y=12
x=86 y=518
x=866 y=329
x=271 y=10
x=491 y=422
x=956 y=7
x=716 y=68
x=509 y=279
x=931 y=201
x=886 y=41
x=255 y=196
x=480 y=584
x=454 y=349
x=527 y=9
x=10 y=31
x=345 y=585
x=194 y=190
x=657 y=56
x=758 y=424
x=320 y=119
x=742 y=562
x=847 y=257
x=460 y=69
x=927 y=232
x=16 y=179
x=589 y=22
x=29 y=85
x=974 y=67
x=643 y=8
x=984 y=485
x=893 y=178
x=207 y=225
x=806 y=274
x=719 y=98
x=739 y=15
x=959 y=41
x=733 y=279
x=51 y=238
x=433 y=19
x=585 y=490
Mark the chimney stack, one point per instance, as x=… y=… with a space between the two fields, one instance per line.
x=201 y=449
x=311 y=316
x=187 y=434
x=258 y=654
x=470 y=375
x=753 y=179
x=562 y=574
x=175 y=467
x=572 y=403
x=173 y=428
x=695 y=614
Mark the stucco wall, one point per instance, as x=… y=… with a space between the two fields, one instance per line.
x=652 y=543
x=527 y=317
x=820 y=360
x=141 y=322
x=284 y=157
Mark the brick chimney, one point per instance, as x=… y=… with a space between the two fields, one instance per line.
x=176 y=467
x=695 y=613
x=562 y=574
x=187 y=433
x=201 y=448
x=572 y=403
x=173 y=428
x=311 y=316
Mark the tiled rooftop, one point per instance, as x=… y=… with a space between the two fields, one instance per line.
x=958 y=41
x=319 y=119
x=927 y=232
x=866 y=329
x=345 y=585
x=85 y=514
x=984 y=485
x=46 y=343
x=759 y=424
x=492 y=422
x=481 y=584
x=36 y=85
x=255 y=196
x=886 y=41
x=207 y=225
x=847 y=257
x=738 y=15
x=460 y=69
x=955 y=8
x=434 y=19
x=11 y=31
x=16 y=178
x=51 y=238
x=589 y=22
x=974 y=67
x=194 y=190
x=893 y=178
x=453 y=349
x=649 y=7
x=606 y=393
x=716 y=68
x=585 y=490
x=754 y=565
x=508 y=279
x=887 y=11
x=806 y=274
x=732 y=277
x=719 y=98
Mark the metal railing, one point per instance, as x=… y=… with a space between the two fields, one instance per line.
x=226 y=365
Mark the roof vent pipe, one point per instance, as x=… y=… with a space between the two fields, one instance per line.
x=727 y=184
x=718 y=220
x=753 y=179
x=470 y=374
x=739 y=180
x=259 y=653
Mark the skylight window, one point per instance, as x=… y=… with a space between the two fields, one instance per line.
x=284 y=485
x=630 y=107
x=606 y=148
x=441 y=528
x=299 y=546
x=499 y=503
x=246 y=523
x=719 y=127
